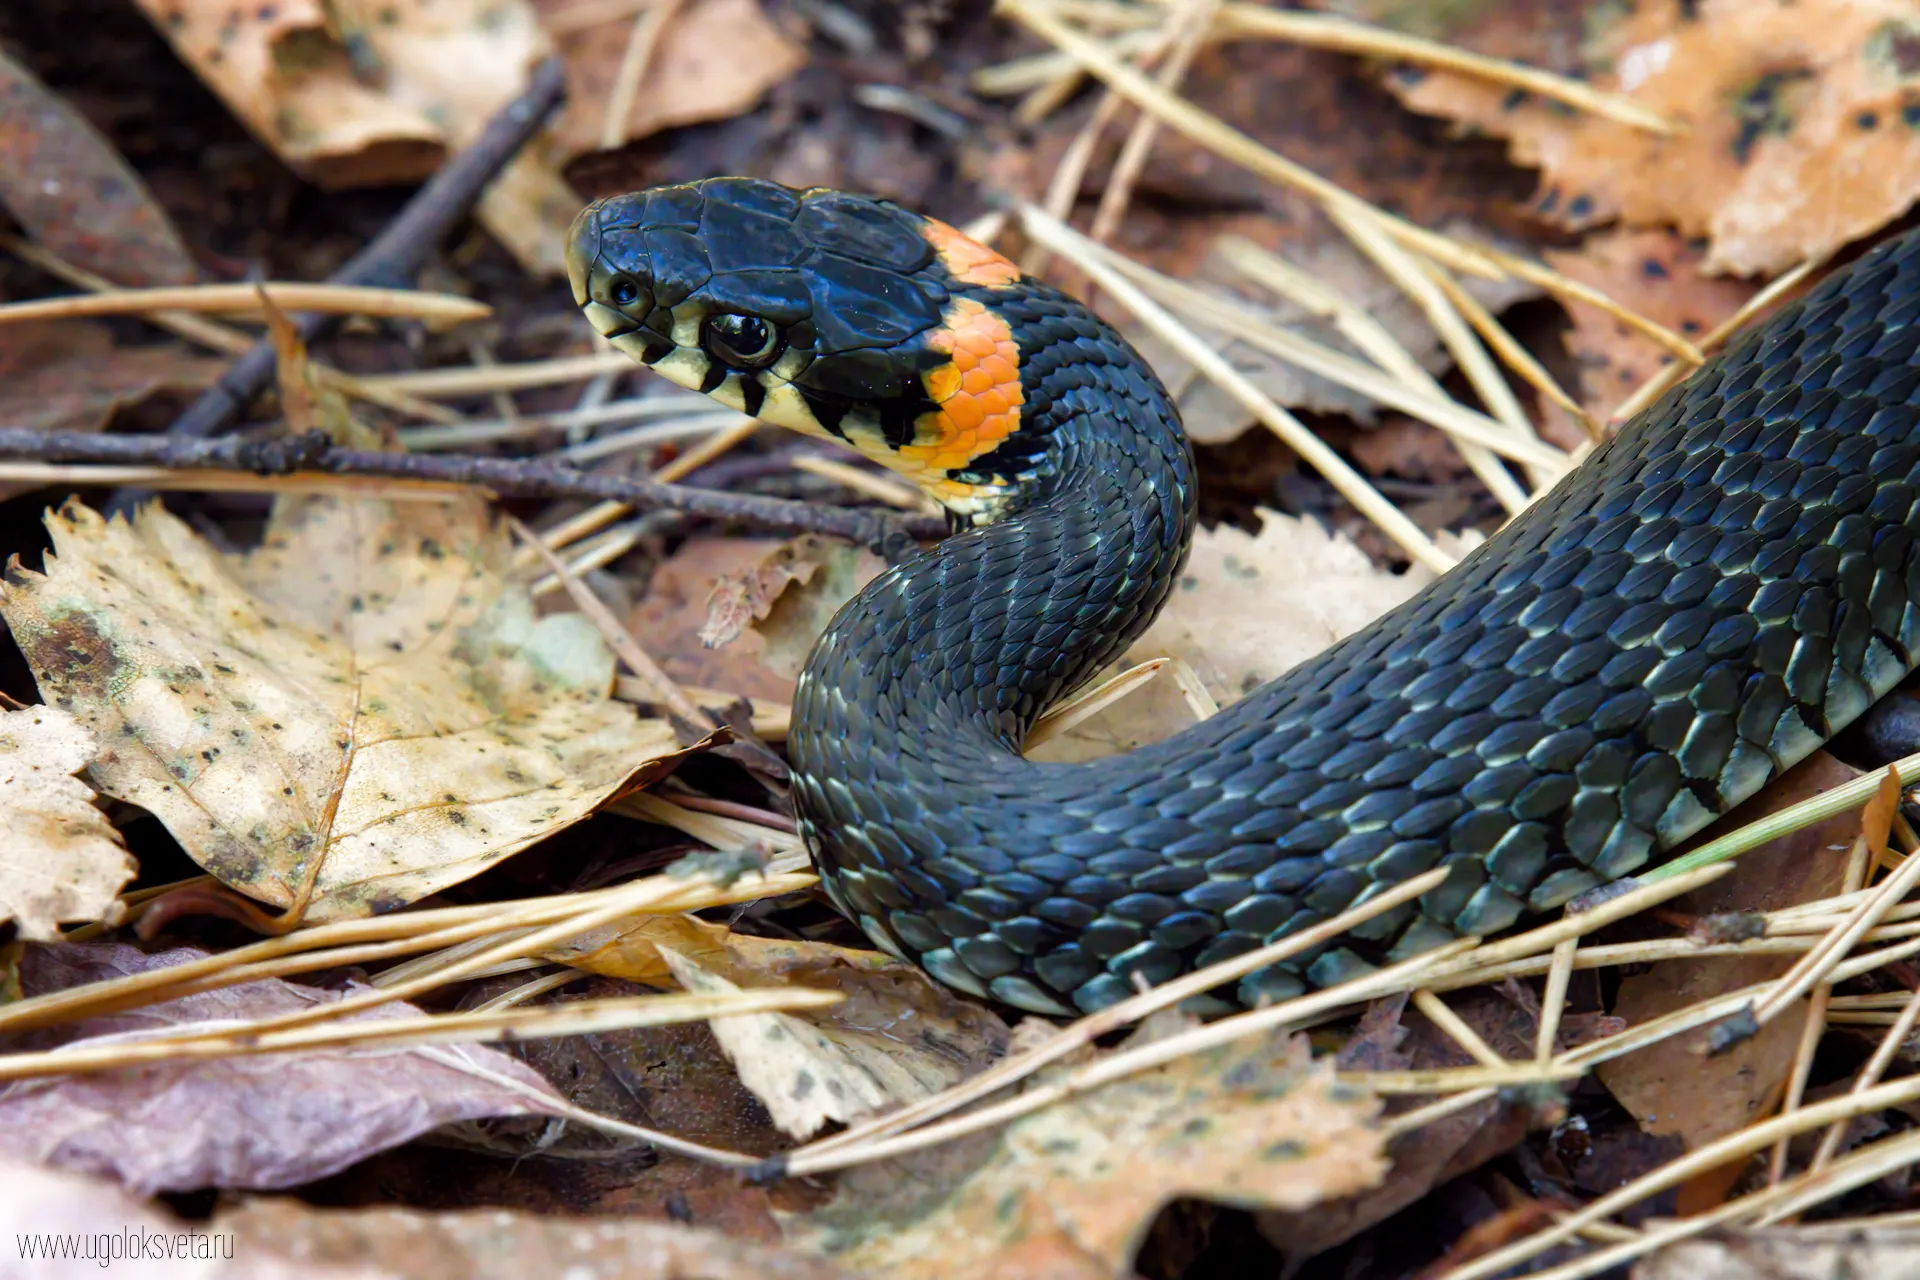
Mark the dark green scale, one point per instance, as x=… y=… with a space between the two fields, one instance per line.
x=1718 y=590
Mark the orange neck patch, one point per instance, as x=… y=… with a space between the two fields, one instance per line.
x=978 y=392
x=969 y=261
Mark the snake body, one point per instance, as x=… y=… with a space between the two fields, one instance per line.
x=1717 y=590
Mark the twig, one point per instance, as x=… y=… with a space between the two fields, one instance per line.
x=396 y=255
x=244 y=299
x=519 y=477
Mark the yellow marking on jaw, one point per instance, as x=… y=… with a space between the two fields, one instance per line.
x=978 y=391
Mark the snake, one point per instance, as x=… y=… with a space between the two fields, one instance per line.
x=1718 y=588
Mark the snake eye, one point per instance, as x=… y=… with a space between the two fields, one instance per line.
x=624 y=293
x=746 y=342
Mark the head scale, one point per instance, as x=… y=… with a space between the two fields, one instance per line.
x=820 y=311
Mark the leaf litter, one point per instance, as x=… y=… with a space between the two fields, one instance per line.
x=1039 y=1195
x=357 y=714
x=62 y=860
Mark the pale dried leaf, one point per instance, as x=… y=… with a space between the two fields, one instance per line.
x=800 y=613
x=365 y=688
x=355 y=92
x=809 y=1071
x=668 y=619
x=1070 y=1190
x=1786 y=1253
x=499 y=1244
x=714 y=60
x=741 y=599
x=275 y=1120
x=61 y=860
x=1247 y=609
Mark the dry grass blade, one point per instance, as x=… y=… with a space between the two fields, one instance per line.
x=1469 y=356
x=1457 y=1030
x=730 y=835
x=1088 y=1029
x=1128 y=1062
x=470 y=380
x=1883 y=1055
x=1849 y=795
x=642 y=40
x=1734 y=1146
x=1339 y=34
x=350 y=942
x=579 y=1017
x=244 y=299
x=1449 y=415
x=1084 y=254
x=1091 y=701
x=1187 y=23
x=316 y=482
x=865 y=483
x=602 y=551
x=1511 y=353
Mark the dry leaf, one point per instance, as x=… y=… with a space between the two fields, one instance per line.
x=715 y=59
x=358 y=92
x=800 y=613
x=1247 y=608
x=668 y=620
x=275 y=1120
x=1671 y=1087
x=1786 y=1253
x=809 y=1071
x=742 y=599
x=497 y=1244
x=1392 y=1038
x=67 y=375
x=75 y=194
x=1654 y=273
x=1070 y=1190
x=1796 y=121
x=366 y=689
x=61 y=859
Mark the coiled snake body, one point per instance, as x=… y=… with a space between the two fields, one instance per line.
x=1716 y=591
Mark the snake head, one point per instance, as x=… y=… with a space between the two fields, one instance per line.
x=823 y=312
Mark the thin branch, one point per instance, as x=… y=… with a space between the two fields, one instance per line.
x=517 y=477
x=396 y=255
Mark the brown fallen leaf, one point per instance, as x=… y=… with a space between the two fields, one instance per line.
x=669 y=618
x=796 y=616
x=810 y=1071
x=363 y=703
x=1655 y=273
x=1392 y=1038
x=1795 y=120
x=1672 y=1087
x=496 y=1244
x=741 y=599
x=361 y=92
x=1071 y=1189
x=67 y=375
x=715 y=59
x=61 y=860
x=75 y=194
x=270 y=1121
x=1789 y=1253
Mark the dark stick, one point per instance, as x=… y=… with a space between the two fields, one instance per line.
x=892 y=535
x=395 y=256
